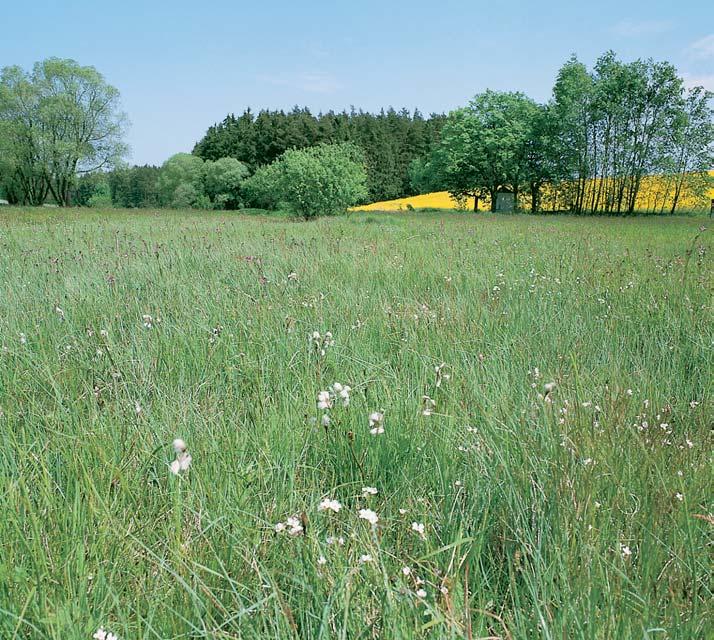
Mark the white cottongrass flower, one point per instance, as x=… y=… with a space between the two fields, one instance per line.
x=625 y=551
x=148 y=321
x=329 y=505
x=441 y=376
x=376 y=423
x=369 y=491
x=342 y=392
x=60 y=313
x=679 y=496
x=324 y=401
x=321 y=343
x=182 y=463
x=333 y=540
x=137 y=408
x=365 y=558
x=183 y=457
x=549 y=387
x=418 y=527
x=23 y=338
x=406 y=571
x=369 y=515
x=421 y=593
x=428 y=406
x=294 y=526
x=444 y=590
x=322 y=560
x=101 y=634
x=280 y=527
x=104 y=333
x=325 y=420
x=292 y=276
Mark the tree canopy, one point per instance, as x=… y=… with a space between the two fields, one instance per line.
x=57 y=122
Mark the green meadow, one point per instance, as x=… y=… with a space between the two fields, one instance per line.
x=543 y=384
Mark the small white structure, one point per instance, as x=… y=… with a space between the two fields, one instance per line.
x=3 y=202
x=505 y=201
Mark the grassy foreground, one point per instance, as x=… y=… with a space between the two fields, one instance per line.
x=583 y=512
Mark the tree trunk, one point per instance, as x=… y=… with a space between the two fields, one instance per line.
x=534 y=198
x=475 y=204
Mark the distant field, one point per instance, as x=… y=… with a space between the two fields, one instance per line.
x=655 y=191
x=544 y=470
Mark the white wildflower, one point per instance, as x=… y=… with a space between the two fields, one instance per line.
x=418 y=527
x=428 y=406
x=183 y=457
x=549 y=387
x=294 y=526
x=406 y=571
x=376 y=423
x=364 y=558
x=625 y=550
x=323 y=400
x=342 y=392
x=369 y=491
x=369 y=515
x=421 y=593
x=441 y=375
x=329 y=505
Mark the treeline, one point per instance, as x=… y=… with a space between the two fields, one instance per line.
x=390 y=141
x=588 y=149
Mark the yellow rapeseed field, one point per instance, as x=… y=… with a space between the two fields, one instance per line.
x=655 y=192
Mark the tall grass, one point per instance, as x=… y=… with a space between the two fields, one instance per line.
x=579 y=513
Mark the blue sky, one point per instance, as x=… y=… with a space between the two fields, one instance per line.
x=180 y=66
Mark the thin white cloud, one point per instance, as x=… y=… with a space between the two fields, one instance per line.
x=637 y=28
x=698 y=80
x=702 y=49
x=311 y=82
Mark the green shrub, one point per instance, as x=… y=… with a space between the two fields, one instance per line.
x=322 y=180
x=223 y=181
x=262 y=189
x=102 y=197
